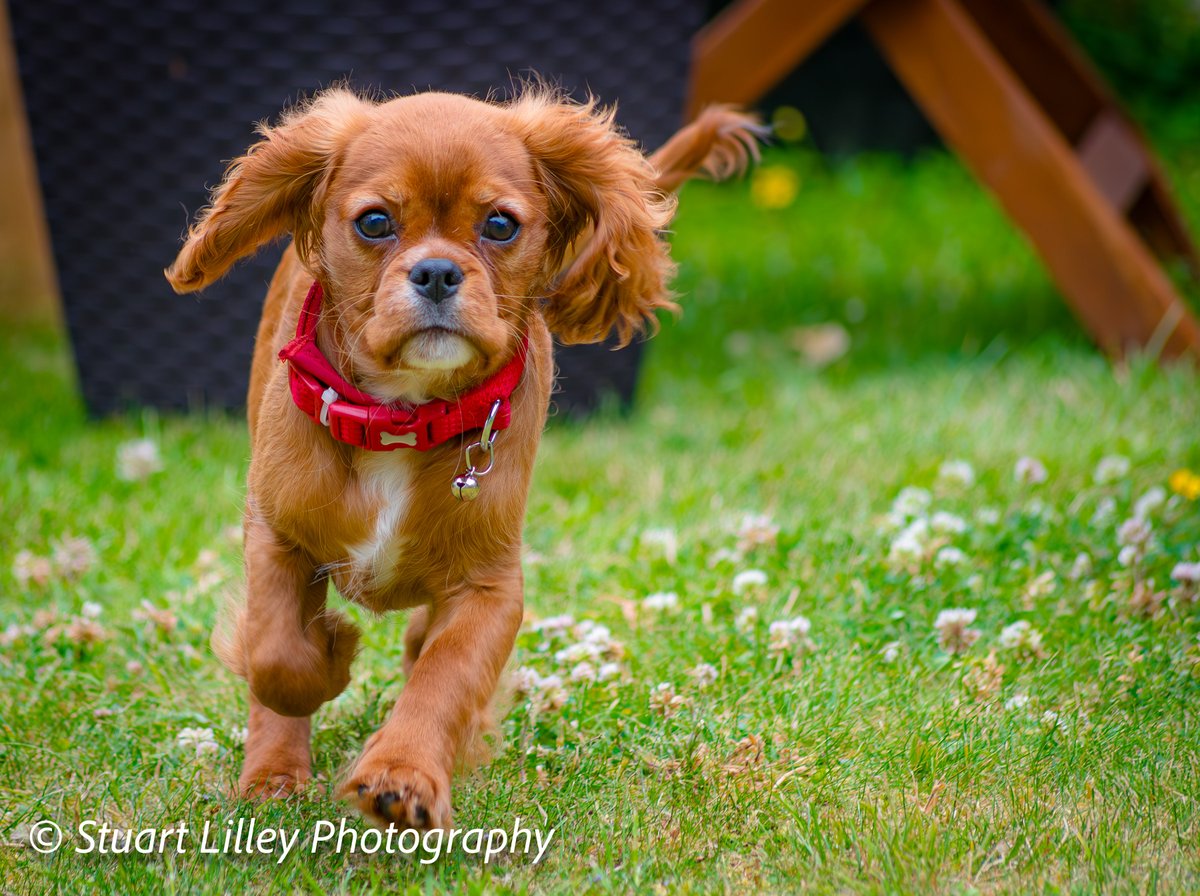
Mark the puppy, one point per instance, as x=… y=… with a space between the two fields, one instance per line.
x=403 y=366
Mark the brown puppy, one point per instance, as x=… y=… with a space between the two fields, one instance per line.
x=437 y=242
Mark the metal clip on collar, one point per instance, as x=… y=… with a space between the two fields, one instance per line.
x=466 y=485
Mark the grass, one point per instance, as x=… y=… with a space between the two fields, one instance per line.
x=872 y=761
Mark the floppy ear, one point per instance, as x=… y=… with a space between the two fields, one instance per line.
x=606 y=213
x=270 y=191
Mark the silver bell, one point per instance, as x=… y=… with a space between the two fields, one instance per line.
x=465 y=487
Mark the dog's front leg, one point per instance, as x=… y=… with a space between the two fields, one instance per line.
x=294 y=653
x=403 y=775
x=278 y=754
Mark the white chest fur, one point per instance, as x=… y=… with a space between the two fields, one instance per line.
x=385 y=478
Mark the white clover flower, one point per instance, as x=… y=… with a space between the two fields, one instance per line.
x=1188 y=577
x=723 y=555
x=593 y=641
x=950 y=556
x=201 y=740
x=1151 y=501
x=987 y=516
x=1111 y=468
x=73 y=557
x=662 y=540
x=553 y=625
x=890 y=652
x=545 y=692
x=954 y=634
x=579 y=652
x=1049 y=719
x=84 y=631
x=1081 y=568
x=664 y=701
x=1016 y=702
x=662 y=600
x=912 y=541
x=14 y=633
x=1030 y=471
x=592 y=632
x=548 y=695
x=91 y=610
x=786 y=635
x=607 y=671
x=1012 y=635
x=746 y=619
x=747 y=579
x=137 y=460
x=1022 y=638
x=703 y=675
x=947 y=523
x=1042 y=585
x=957 y=472
x=582 y=672
x=524 y=680
x=29 y=567
x=1135 y=531
x=1129 y=555
x=161 y=617
x=911 y=502
x=1106 y=511
x=1188 y=573
x=756 y=529
x=238 y=734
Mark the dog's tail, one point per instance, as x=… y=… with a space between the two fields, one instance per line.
x=720 y=143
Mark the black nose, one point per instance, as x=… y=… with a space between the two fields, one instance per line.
x=436 y=278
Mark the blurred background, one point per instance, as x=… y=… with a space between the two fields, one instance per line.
x=860 y=242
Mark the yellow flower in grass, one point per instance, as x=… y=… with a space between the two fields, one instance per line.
x=1186 y=483
x=774 y=186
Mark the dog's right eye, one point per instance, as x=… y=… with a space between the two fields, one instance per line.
x=374 y=225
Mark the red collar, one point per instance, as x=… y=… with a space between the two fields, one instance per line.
x=354 y=417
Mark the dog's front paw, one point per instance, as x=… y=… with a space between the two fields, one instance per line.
x=397 y=793
x=260 y=786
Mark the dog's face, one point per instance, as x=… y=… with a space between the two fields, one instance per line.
x=434 y=243
x=439 y=224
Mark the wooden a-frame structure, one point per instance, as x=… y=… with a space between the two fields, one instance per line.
x=1017 y=99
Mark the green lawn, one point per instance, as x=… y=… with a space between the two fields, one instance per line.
x=871 y=750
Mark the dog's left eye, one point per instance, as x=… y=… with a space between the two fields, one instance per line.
x=374 y=225
x=500 y=228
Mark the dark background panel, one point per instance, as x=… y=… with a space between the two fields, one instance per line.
x=136 y=108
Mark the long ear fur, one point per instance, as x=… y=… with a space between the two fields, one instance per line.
x=270 y=191
x=605 y=208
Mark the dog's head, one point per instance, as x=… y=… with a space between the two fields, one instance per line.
x=438 y=224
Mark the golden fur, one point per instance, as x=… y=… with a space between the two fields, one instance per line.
x=589 y=257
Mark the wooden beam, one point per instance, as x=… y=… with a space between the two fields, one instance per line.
x=1045 y=58
x=1065 y=83
x=753 y=44
x=28 y=286
x=980 y=107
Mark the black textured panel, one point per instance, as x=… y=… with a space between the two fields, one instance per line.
x=136 y=107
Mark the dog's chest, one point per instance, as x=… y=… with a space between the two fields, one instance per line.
x=385 y=482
